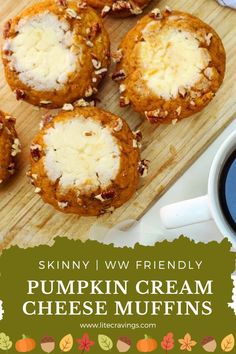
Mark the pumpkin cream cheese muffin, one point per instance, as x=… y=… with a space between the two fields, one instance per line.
x=119 y=8
x=169 y=66
x=85 y=161
x=9 y=146
x=55 y=52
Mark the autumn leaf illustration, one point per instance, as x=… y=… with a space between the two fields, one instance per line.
x=187 y=343
x=105 y=342
x=168 y=342
x=66 y=343
x=227 y=344
x=85 y=343
x=5 y=342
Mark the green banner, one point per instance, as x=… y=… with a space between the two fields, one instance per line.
x=78 y=297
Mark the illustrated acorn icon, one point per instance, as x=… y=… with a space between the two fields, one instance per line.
x=48 y=344
x=123 y=344
x=209 y=344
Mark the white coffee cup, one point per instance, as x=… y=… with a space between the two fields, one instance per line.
x=207 y=207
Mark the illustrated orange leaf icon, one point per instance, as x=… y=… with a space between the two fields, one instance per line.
x=168 y=342
x=187 y=343
x=66 y=343
x=227 y=344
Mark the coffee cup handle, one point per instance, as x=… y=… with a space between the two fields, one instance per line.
x=185 y=213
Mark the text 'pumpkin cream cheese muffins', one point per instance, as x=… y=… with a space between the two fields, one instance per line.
x=119 y=8
x=169 y=66
x=85 y=161
x=55 y=52
x=10 y=146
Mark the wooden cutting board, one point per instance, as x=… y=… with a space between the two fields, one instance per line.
x=25 y=220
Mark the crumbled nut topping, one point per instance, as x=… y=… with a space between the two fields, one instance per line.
x=96 y=63
x=82 y=103
x=82 y=5
x=105 y=10
x=16 y=147
x=89 y=91
x=117 y=56
x=178 y=110
x=20 y=94
x=124 y=101
x=63 y=205
x=37 y=190
x=209 y=73
x=118 y=75
x=182 y=91
x=138 y=135
x=174 y=121
x=135 y=10
x=101 y=71
x=45 y=102
x=108 y=194
x=168 y=9
x=121 y=5
x=68 y=107
x=122 y=88
x=89 y=43
x=143 y=168
x=11 y=168
x=35 y=151
x=208 y=38
x=72 y=14
x=119 y=125
x=156 y=14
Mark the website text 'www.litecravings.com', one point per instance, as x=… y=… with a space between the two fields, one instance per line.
x=119 y=325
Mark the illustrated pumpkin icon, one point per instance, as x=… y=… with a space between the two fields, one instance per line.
x=146 y=345
x=25 y=344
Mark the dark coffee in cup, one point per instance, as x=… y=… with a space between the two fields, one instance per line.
x=227 y=190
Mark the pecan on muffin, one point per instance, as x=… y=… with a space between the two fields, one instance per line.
x=9 y=146
x=119 y=8
x=169 y=66
x=85 y=161
x=55 y=52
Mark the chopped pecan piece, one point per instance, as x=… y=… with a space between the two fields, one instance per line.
x=124 y=101
x=117 y=56
x=156 y=14
x=82 y=5
x=119 y=75
x=96 y=64
x=20 y=94
x=182 y=91
x=63 y=204
x=11 y=168
x=138 y=135
x=143 y=167
x=119 y=125
x=110 y=194
x=121 y=5
x=105 y=10
x=208 y=38
x=35 y=151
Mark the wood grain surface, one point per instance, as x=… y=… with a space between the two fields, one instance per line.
x=26 y=221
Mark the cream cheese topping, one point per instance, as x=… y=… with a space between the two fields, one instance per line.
x=81 y=153
x=42 y=52
x=171 y=58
